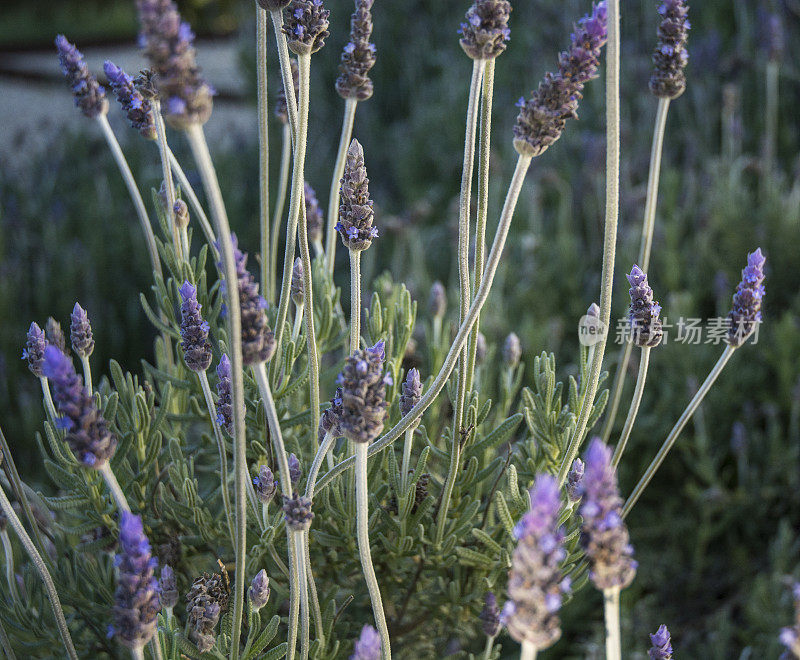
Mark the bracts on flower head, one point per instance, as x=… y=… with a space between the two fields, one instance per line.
x=297 y=286
x=490 y=616
x=207 y=598
x=661 y=648
x=224 y=396
x=264 y=484
x=281 y=109
x=355 y=208
x=80 y=332
x=88 y=435
x=35 y=343
x=55 y=335
x=668 y=80
x=258 y=593
x=437 y=300
x=645 y=324
x=136 y=600
x=512 y=351
x=411 y=392
x=90 y=97
x=363 y=394
x=306 y=26
x=746 y=312
x=485 y=31
x=314 y=219
x=297 y=512
x=575 y=480
x=368 y=645
x=358 y=56
x=542 y=118
x=194 y=331
x=330 y=420
x=167 y=588
x=295 y=471
x=136 y=107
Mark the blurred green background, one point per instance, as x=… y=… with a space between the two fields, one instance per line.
x=718 y=532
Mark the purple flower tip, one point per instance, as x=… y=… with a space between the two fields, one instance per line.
x=662 y=644
x=368 y=645
x=188 y=292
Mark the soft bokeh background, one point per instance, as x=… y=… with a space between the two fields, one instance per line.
x=718 y=532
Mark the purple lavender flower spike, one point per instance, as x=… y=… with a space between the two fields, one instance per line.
x=358 y=56
x=136 y=107
x=604 y=535
x=136 y=601
x=542 y=118
x=363 y=394
x=90 y=97
x=355 y=209
x=295 y=471
x=55 y=335
x=35 y=343
x=670 y=57
x=80 y=332
x=88 y=435
x=298 y=286
x=264 y=485
x=645 y=324
x=259 y=590
x=167 y=588
x=746 y=311
x=512 y=351
x=306 y=26
x=485 y=32
x=574 y=481
x=790 y=636
x=330 y=420
x=194 y=331
x=207 y=598
x=662 y=644
x=490 y=616
x=224 y=400
x=368 y=645
x=297 y=512
x=314 y=219
x=411 y=392
x=535 y=582
x=437 y=300
x=281 y=110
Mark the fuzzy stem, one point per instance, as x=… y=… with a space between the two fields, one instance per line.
x=137 y=653
x=166 y=172
x=487 y=649
x=197 y=143
x=302 y=579
x=613 y=639
x=113 y=486
x=364 y=553
x=610 y=238
x=286 y=68
x=5 y=643
x=194 y=203
x=407 y=444
x=528 y=651
x=676 y=430
x=87 y=374
x=10 y=577
x=36 y=558
x=771 y=118
x=312 y=590
x=298 y=321
x=644 y=361
x=263 y=145
x=523 y=163
x=355 y=300
x=48 y=400
x=338 y=171
x=280 y=203
x=324 y=448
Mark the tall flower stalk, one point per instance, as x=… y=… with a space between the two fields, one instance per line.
x=263 y=147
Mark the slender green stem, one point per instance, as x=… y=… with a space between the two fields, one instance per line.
x=338 y=171
x=280 y=203
x=169 y=186
x=5 y=643
x=355 y=300
x=36 y=558
x=487 y=649
x=312 y=590
x=194 y=203
x=613 y=639
x=286 y=68
x=528 y=651
x=644 y=361
x=302 y=578
x=364 y=552
x=197 y=143
x=407 y=445
x=155 y=646
x=137 y=653
x=11 y=578
x=610 y=238
x=771 y=117
x=294 y=598
x=676 y=430
x=324 y=448
x=263 y=144
x=113 y=486
x=298 y=321
x=48 y=400
x=87 y=374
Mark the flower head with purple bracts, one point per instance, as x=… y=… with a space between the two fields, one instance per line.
x=88 y=435
x=281 y=109
x=306 y=26
x=790 y=636
x=295 y=471
x=168 y=43
x=314 y=219
x=661 y=644
x=330 y=420
x=643 y=316
x=490 y=616
x=80 y=332
x=411 y=392
x=167 y=587
x=363 y=386
x=355 y=208
x=298 y=286
x=437 y=300
x=224 y=397
x=35 y=343
x=535 y=582
x=90 y=97
x=259 y=590
x=55 y=335
x=136 y=107
x=512 y=351
x=485 y=32
x=746 y=311
x=136 y=602
x=297 y=512
x=368 y=645
x=604 y=535
x=670 y=57
x=542 y=118
x=574 y=481
x=358 y=56
x=264 y=484
x=194 y=331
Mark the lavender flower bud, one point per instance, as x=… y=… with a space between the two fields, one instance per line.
x=35 y=343
x=135 y=106
x=281 y=110
x=512 y=351
x=306 y=26
x=297 y=512
x=330 y=420
x=437 y=300
x=594 y=311
x=167 y=588
x=297 y=287
x=790 y=636
x=88 y=435
x=224 y=397
x=272 y=5
x=575 y=480
x=90 y=97
x=181 y=214
x=80 y=332
x=55 y=335
x=358 y=56
x=604 y=535
x=363 y=394
x=535 y=582
x=168 y=43
x=662 y=644
x=646 y=329
x=542 y=119
x=314 y=219
x=355 y=209
x=485 y=32
x=746 y=311
x=480 y=349
x=411 y=392
x=259 y=590
x=136 y=602
x=295 y=471
x=368 y=645
x=670 y=57
x=490 y=616
x=264 y=484
x=194 y=331
x=207 y=598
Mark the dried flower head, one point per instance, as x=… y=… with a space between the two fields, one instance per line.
x=604 y=535
x=88 y=435
x=259 y=590
x=306 y=26
x=485 y=30
x=330 y=420
x=194 y=331
x=574 y=480
x=167 y=588
x=643 y=316
x=542 y=118
x=295 y=471
x=35 y=343
x=355 y=208
x=490 y=616
x=264 y=484
x=363 y=394
x=55 y=335
x=746 y=311
x=358 y=56
x=437 y=300
x=661 y=644
x=207 y=598
x=180 y=212
x=297 y=287
x=135 y=106
x=512 y=351
x=790 y=636
x=281 y=109
x=411 y=392
x=670 y=57
x=136 y=602
x=80 y=332
x=224 y=396
x=297 y=512
x=90 y=97
x=368 y=645
x=314 y=219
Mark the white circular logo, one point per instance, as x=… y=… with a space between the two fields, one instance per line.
x=591 y=330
